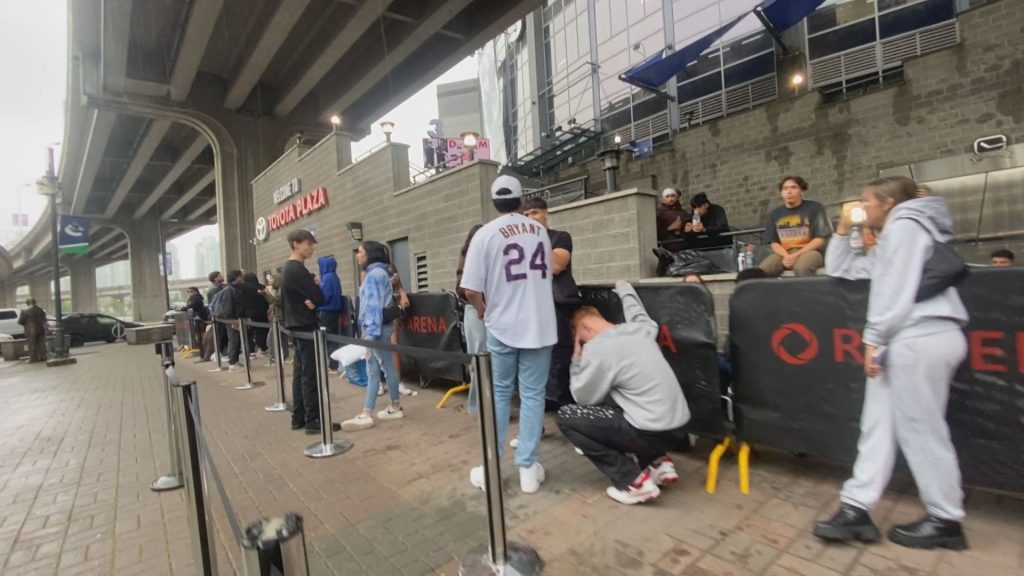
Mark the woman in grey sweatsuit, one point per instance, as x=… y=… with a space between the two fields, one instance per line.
x=912 y=351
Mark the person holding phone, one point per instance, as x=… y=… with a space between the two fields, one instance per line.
x=913 y=345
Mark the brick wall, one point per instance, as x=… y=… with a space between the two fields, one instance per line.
x=949 y=99
x=434 y=216
x=612 y=235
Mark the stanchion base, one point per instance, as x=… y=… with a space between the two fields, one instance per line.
x=52 y=362
x=321 y=450
x=249 y=385
x=523 y=560
x=165 y=483
x=277 y=407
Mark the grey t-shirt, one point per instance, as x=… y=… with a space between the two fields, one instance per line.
x=794 y=228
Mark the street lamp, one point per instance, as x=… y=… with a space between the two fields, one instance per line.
x=387 y=127
x=469 y=140
x=335 y=123
x=610 y=164
x=356 y=230
x=48 y=185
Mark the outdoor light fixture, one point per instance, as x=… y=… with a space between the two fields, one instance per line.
x=335 y=122
x=469 y=140
x=610 y=164
x=618 y=139
x=356 y=230
x=797 y=79
x=387 y=127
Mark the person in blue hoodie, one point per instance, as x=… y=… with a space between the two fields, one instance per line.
x=330 y=310
x=913 y=345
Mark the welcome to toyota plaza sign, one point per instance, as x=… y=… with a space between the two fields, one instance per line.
x=293 y=212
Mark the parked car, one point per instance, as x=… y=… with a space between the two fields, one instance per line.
x=9 y=323
x=82 y=328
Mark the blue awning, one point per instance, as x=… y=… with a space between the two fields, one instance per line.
x=654 y=72
x=658 y=69
x=785 y=13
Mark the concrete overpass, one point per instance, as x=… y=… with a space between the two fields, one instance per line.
x=173 y=107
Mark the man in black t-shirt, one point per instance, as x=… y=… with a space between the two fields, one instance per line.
x=567 y=300
x=797 y=232
x=300 y=297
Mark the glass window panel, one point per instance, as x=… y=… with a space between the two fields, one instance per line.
x=648 y=27
x=604 y=22
x=618 y=16
x=700 y=87
x=583 y=35
x=683 y=8
x=841 y=39
x=915 y=16
x=746 y=47
x=648 y=107
x=617 y=120
x=750 y=69
x=838 y=13
x=708 y=62
x=696 y=25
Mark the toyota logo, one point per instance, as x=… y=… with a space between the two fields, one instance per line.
x=799 y=331
x=261 y=228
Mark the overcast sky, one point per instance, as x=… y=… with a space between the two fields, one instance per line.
x=33 y=40
x=33 y=55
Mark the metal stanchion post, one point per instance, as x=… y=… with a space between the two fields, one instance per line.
x=197 y=510
x=243 y=334
x=216 y=347
x=327 y=446
x=500 y=556
x=275 y=546
x=275 y=332
x=172 y=480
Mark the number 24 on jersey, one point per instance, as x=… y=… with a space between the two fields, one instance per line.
x=515 y=255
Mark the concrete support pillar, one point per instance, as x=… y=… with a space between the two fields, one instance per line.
x=83 y=285
x=41 y=288
x=8 y=295
x=149 y=301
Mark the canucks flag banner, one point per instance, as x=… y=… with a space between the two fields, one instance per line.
x=74 y=235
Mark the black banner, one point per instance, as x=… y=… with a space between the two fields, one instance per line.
x=799 y=380
x=432 y=321
x=686 y=314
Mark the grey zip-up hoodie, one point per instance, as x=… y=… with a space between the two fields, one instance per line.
x=895 y=267
x=625 y=363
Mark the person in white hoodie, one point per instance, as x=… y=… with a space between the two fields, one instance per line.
x=628 y=401
x=912 y=348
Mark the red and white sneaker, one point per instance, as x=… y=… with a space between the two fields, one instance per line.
x=640 y=491
x=663 y=471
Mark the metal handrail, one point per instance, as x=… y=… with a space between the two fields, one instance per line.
x=529 y=191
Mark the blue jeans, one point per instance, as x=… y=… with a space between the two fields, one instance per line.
x=381 y=359
x=531 y=366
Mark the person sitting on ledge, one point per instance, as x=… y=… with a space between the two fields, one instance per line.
x=628 y=401
x=797 y=232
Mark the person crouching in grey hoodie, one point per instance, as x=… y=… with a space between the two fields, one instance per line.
x=911 y=350
x=628 y=401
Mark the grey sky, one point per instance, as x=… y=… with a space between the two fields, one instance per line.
x=33 y=41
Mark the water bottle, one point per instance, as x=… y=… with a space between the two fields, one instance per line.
x=741 y=262
x=857 y=231
x=695 y=220
x=749 y=256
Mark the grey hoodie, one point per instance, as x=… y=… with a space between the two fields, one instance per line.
x=625 y=363
x=895 y=267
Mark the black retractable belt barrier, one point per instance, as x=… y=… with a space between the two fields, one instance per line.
x=432 y=321
x=799 y=381
x=243 y=335
x=173 y=479
x=688 y=338
x=216 y=344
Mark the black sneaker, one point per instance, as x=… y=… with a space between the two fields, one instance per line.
x=314 y=427
x=298 y=425
x=928 y=533
x=849 y=523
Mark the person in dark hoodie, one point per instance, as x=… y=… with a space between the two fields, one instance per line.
x=912 y=349
x=330 y=310
x=255 y=307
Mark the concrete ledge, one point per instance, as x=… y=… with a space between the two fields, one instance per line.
x=603 y=198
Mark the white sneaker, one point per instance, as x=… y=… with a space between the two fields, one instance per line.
x=234 y=368
x=578 y=451
x=405 y=390
x=514 y=442
x=643 y=490
x=530 y=478
x=476 y=477
x=381 y=391
x=663 y=472
x=391 y=413
x=361 y=422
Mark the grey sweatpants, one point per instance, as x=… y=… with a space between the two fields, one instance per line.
x=905 y=407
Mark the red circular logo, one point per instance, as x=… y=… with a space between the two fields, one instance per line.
x=810 y=344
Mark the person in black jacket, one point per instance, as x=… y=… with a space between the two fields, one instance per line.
x=255 y=307
x=233 y=311
x=707 y=223
x=300 y=298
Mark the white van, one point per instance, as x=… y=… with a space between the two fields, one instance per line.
x=9 y=323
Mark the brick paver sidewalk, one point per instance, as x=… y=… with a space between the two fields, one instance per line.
x=81 y=444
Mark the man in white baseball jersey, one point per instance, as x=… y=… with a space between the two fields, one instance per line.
x=507 y=278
